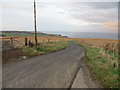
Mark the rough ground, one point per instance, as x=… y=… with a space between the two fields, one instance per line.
x=54 y=70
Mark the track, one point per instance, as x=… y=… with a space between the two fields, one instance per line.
x=53 y=70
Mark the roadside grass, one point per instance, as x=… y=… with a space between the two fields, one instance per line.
x=45 y=48
x=103 y=65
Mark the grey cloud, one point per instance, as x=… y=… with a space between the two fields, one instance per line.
x=21 y=14
x=104 y=5
x=76 y=6
x=97 y=16
x=94 y=12
x=17 y=5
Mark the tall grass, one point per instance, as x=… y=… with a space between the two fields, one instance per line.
x=103 y=65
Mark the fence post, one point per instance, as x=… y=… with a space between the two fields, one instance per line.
x=30 y=44
x=43 y=40
x=48 y=40
x=11 y=41
x=26 y=41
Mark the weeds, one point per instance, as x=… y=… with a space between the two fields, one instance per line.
x=103 y=65
x=46 y=48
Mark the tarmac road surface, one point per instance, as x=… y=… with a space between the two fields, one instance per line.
x=53 y=70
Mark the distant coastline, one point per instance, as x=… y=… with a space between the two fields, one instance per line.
x=113 y=36
x=27 y=34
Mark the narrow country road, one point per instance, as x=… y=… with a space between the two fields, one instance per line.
x=53 y=70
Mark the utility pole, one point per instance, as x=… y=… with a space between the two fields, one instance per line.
x=36 y=42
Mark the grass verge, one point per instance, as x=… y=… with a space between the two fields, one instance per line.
x=46 y=48
x=103 y=65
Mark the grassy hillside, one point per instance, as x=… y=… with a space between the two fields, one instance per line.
x=26 y=34
x=19 y=34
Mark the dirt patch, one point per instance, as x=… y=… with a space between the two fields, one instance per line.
x=12 y=55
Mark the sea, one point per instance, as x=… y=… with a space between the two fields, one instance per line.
x=113 y=36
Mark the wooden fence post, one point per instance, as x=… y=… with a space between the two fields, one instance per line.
x=43 y=40
x=11 y=41
x=30 y=44
x=48 y=40
x=26 y=41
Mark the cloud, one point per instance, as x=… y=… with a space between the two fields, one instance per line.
x=100 y=14
x=64 y=16
x=60 y=1
x=103 y=5
x=8 y=27
x=89 y=12
x=111 y=25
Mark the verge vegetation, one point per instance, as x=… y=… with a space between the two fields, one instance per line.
x=45 y=48
x=103 y=65
x=24 y=52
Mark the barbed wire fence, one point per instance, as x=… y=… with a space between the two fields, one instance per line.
x=11 y=43
x=14 y=42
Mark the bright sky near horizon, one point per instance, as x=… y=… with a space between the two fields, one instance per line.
x=61 y=16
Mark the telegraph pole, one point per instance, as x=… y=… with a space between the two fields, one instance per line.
x=36 y=42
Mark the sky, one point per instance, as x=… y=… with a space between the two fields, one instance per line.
x=60 y=16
